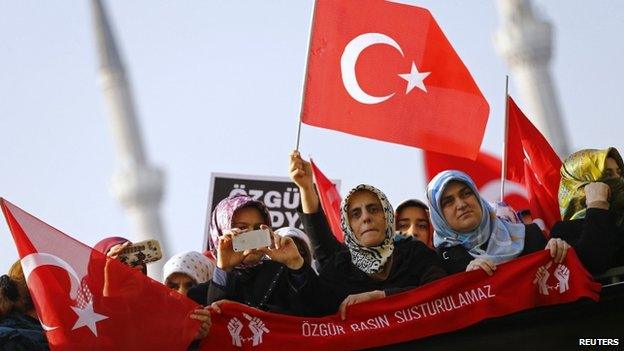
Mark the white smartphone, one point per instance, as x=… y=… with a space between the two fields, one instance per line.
x=251 y=240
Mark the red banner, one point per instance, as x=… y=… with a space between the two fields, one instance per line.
x=445 y=305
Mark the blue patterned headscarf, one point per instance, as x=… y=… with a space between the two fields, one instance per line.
x=505 y=240
x=370 y=260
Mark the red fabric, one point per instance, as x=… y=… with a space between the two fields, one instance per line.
x=449 y=117
x=541 y=203
x=442 y=306
x=330 y=201
x=486 y=173
x=124 y=311
x=532 y=161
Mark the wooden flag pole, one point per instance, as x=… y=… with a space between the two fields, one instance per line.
x=504 y=158
x=305 y=76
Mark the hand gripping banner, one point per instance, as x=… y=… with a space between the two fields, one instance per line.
x=442 y=306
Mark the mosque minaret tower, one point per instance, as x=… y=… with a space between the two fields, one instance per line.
x=137 y=184
x=525 y=42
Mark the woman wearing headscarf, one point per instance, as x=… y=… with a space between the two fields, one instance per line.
x=591 y=200
x=19 y=326
x=100 y=277
x=185 y=270
x=469 y=236
x=411 y=216
x=249 y=277
x=113 y=246
x=370 y=265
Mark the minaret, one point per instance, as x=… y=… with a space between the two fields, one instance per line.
x=137 y=184
x=525 y=42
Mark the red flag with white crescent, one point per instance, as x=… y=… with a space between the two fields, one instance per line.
x=386 y=71
x=88 y=302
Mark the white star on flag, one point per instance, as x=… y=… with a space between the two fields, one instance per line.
x=415 y=79
x=87 y=317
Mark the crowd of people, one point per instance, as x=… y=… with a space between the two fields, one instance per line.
x=310 y=272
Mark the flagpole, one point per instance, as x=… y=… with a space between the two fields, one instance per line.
x=305 y=75
x=504 y=158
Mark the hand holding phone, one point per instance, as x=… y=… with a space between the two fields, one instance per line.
x=251 y=240
x=141 y=253
x=284 y=250
x=230 y=255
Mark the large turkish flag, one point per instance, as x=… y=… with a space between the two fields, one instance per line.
x=86 y=301
x=386 y=71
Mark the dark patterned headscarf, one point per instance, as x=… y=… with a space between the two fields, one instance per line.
x=370 y=260
x=224 y=213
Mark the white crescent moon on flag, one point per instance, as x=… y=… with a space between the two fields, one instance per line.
x=349 y=58
x=34 y=260
x=46 y=328
x=491 y=190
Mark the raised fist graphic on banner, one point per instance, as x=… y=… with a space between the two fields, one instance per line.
x=541 y=278
x=562 y=273
x=257 y=327
x=235 y=326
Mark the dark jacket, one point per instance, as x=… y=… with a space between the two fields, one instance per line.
x=413 y=264
x=21 y=332
x=456 y=258
x=598 y=243
x=269 y=286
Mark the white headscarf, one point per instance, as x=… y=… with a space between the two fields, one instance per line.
x=193 y=264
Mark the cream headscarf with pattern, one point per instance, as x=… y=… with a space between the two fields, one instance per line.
x=370 y=260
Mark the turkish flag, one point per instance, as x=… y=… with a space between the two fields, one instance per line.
x=386 y=71
x=532 y=161
x=485 y=171
x=330 y=201
x=88 y=302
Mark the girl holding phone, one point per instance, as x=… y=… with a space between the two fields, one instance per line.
x=249 y=276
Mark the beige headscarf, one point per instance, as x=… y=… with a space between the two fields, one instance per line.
x=584 y=167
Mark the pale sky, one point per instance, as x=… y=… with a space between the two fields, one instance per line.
x=218 y=86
